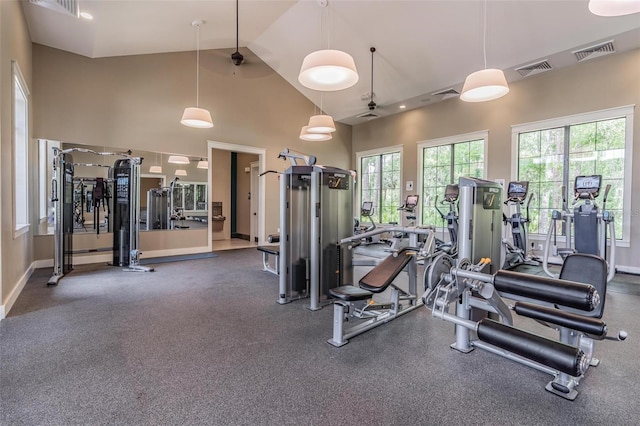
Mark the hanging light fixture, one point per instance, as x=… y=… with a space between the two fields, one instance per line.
x=315 y=137
x=178 y=159
x=196 y=116
x=321 y=124
x=181 y=172
x=614 y=7
x=328 y=70
x=487 y=84
x=203 y=164
x=156 y=168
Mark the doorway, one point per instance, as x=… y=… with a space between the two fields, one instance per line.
x=238 y=194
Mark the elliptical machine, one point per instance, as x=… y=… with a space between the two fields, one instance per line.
x=515 y=252
x=451 y=193
x=367 y=211
x=590 y=225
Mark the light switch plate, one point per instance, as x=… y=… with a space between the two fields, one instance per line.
x=409 y=185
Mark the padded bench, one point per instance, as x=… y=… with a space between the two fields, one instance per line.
x=273 y=251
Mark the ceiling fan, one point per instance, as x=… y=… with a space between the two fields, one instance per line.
x=236 y=57
x=372 y=104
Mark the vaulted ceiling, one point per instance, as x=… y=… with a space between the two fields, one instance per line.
x=423 y=47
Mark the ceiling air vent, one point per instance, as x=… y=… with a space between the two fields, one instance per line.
x=595 y=51
x=369 y=115
x=68 y=7
x=535 y=68
x=447 y=93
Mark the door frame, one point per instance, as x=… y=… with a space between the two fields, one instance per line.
x=255 y=190
x=262 y=160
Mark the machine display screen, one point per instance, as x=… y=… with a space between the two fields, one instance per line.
x=412 y=201
x=451 y=192
x=336 y=181
x=588 y=183
x=366 y=207
x=518 y=188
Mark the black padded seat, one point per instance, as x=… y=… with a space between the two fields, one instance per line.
x=350 y=293
x=378 y=279
x=274 y=250
x=587 y=269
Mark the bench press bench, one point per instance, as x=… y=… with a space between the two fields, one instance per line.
x=358 y=301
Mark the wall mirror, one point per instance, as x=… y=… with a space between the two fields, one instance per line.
x=172 y=195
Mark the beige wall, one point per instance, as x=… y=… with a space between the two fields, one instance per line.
x=137 y=102
x=221 y=191
x=15 y=44
x=597 y=84
x=243 y=188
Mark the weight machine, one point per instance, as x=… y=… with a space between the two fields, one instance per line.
x=590 y=225
x=573 y=308
x=516 y=252
x=125 y=175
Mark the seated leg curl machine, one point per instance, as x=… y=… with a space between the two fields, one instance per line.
x=573 y=308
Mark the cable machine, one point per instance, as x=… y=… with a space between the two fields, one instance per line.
x=125 y=175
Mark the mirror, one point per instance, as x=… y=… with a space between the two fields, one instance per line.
x=173 y=198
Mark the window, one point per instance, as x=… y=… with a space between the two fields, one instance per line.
x=442 y=162
x=380 y=182
x=552 y=153
x=190 y=196
x=20 y=151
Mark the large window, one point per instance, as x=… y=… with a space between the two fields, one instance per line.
x=20 y=151
x=380 y=182
x=443 y=162
x=552 y=153
x=190 y=196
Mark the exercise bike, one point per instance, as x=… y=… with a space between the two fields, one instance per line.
x=516 y=250
x=590 y=225
x=450 y=247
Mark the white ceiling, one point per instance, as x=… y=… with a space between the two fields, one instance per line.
x=422 y=46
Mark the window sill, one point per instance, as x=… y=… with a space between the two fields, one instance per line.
x=20 y=230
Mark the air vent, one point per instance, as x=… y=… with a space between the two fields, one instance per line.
x=595 y=51
x=68 y=7
x=535 y=68
x=369 y=115
x=447 y=93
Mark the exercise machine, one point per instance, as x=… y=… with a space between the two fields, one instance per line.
x=516 y=251
x=367 y=211
x=451 y=194
x=573 y=308
x=125 y=177
x=315 y=214
x=585 y=226
x=356 y=304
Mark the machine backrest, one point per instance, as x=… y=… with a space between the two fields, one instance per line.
x=587 y=269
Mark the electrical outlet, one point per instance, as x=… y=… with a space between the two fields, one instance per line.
x=409 y=185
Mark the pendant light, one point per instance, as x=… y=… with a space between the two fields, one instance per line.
x=156 y=168
x=328 y=70
x=196 y=116
x=181 y=172
x=178 y=159
x=321 y=124
x=614 y=7
x=487 y=84
x=203 y=164
x=314 y=137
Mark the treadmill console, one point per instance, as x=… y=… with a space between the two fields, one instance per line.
x=367 y=207
x=587 y=187
x=451 y=193
x=517 y=191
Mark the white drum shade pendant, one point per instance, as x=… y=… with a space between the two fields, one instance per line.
x=181 y=172
x=328 y=70
x=196 y=116
x=203 y=164
x=614 y=7
x=306 y=136
x=484 y=85
x=155 y=169
x=321 y=124
x=178 y=159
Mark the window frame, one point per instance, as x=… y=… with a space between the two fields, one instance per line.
x=375 y=152
x=627 y=112
x=447 y=140
x=21 y=225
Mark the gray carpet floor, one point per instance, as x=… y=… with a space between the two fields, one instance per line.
x=203 y=342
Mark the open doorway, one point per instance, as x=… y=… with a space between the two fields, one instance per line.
x=236 y=195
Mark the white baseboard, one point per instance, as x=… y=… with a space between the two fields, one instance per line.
x=13 y=296
x=628 y=269
x=174 y=252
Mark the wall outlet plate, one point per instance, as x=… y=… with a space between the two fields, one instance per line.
x=409 y=185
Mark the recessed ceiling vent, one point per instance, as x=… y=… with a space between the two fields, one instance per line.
x=535 y=68
x=68 y=7
x=595 y=51
x=447 y=93
x=369 y=115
